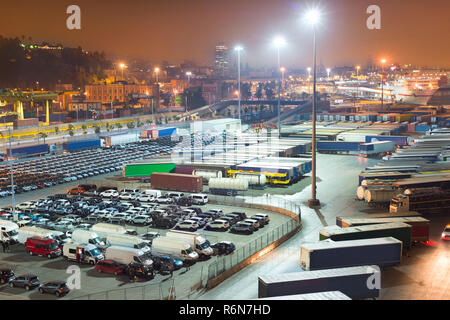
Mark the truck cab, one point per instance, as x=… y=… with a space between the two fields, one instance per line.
x=399 y=203
x=9 y=232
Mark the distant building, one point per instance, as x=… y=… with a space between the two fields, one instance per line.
x=117 y=92
x=222 y=60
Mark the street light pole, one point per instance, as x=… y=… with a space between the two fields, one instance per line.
x=279 y=91
x=383 y=61
x=238 y=49
x=313 y=16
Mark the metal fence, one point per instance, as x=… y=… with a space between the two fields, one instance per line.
x=222 y=264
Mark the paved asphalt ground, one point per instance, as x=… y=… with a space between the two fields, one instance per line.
x=424 y=274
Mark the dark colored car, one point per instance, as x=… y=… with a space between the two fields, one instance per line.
x=163 y=263
x=233 y=216
x=196 y=209
x=184 y=201
x=241 y=215
x=242 y=227
x=110 y=266
x=56 y=287
x=230 y=220
x=261 y=220
x=27 y=281
x=223 y=247
x=163 y=222
x=6 y=275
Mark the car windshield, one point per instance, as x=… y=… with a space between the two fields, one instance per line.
x=189 y=250
x=62 y=237
x=53 y=246
x=205 y=245
x=11 y=233
x=141 y=245
x=447 y=230
x=97 y=241
x=95 y=252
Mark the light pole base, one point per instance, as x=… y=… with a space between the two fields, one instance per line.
x=314 y=203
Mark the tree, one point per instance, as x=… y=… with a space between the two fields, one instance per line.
x=56 y=130
x=139 y=123
x=43 y=135
x=84 y=127
x=269 y=90
x=71 y=133
x=245 y=90
x=119 y=125
x=130 y=125
x=97 y=129
x=259 y=90
x=71 y=127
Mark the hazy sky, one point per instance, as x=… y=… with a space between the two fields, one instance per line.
x=413 y=31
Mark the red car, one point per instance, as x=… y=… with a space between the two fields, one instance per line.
x=43 y=247
x=110 y=266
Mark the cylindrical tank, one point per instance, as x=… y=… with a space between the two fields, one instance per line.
x=360 y=192
x=380 y=195
x=208 y=174
x=253 y=179
x=228 y=184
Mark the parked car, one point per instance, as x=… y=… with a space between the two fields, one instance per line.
x=56 y=287
x=164 y=199
x=148 y=237
x=110 y=266
x=27 y=281
x=109 y=194
x=261 y=220
x=223 y=247
x=446 y=233
x=76 y=190
x=141 y=220
x=242 y=227
x=217 y=225
x=190 y=225
x=253 y=222
x=6 y=275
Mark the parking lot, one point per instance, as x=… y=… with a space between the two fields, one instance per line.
x=93 y=282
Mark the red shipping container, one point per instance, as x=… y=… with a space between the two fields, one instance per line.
x=176 y=182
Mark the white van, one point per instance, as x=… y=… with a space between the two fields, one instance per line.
x=151 y=192
x=105 y=229
x=127 y=255
x=129 y=241
x=166 y=245
x=87 y=236
x=61 y=237
x=28 y=232
x=199 y=198
x=82 y=252
x=8 y=231
x=195 y=240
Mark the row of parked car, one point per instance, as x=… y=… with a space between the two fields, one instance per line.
x=66 y=167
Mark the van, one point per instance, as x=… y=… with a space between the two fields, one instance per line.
x=129 y=241
x=127 y=255
x=195 y=240
x=105 y=229
x=199 y=198
x=82 y=252
x=60 y=237
x=151 y=192
x=28 y=232
x=42 y=247
x=9 y=232
x=166 y=245
x=87 y=236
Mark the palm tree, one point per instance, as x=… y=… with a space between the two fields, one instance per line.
x=56 y=130
x=43 y=135
x=71 y=133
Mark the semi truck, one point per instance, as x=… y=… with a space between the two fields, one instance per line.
x=176 y=182
x=327 y=295
x=81 y=145
x=376 y=148
x=420 y=227
x=195 y=240
x=118 y=139
x=329 y=254
x=423 y=200
x=9 y=232
x=350 y=281
x=400 y=231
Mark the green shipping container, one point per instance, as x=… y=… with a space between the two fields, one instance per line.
x=400 y=231
x=135 y=170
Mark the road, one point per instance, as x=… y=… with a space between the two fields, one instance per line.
x=425 y=274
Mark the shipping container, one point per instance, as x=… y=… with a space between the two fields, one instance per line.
x=420 y=227
x=119 y=139
x=81 y=145
x=323 y=146
x=377 y=147
x=398 y=140
x=400 y=231
x=26 y=123
x=327 y=295
x=35 y=150
x=176 y=182
x=227 y=186
x=144 y=169
x=328 y=254
x=350 y=281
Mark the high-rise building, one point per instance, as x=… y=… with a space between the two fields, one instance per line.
x=222 y=60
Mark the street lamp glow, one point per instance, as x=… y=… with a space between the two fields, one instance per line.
x=238 y=48
x=189 y=73
x=156 y=69
x=313 y=16
x=383 y=61
x=279 y=42
x=328 y=72
x=122 y=65
x=282 y=69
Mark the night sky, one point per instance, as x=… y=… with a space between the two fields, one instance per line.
x=413 y=31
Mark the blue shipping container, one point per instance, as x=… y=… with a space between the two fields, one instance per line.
x=81 y=145
x=337 y=146
x=166 y=132
x=398 y=140
x=29 y=151
x=422 y=128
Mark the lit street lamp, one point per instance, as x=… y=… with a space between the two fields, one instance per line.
x=122 y=66
x=312 y=17
x=309 y=72
x=189 y=74
x=328 y=73
x=279 y=42
x=238 y=49
x=156 y=73
x=283 y=70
